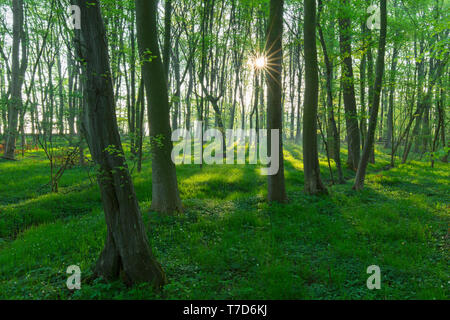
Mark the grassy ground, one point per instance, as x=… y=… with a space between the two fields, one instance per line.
x=230 y=244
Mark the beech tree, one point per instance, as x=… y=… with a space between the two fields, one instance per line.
x=18 y=69
x=274 y=52
x=375 y=104
x=333 y=138
x=313 y=182
x=348 y=84
x=165 y=194
x=127 y=251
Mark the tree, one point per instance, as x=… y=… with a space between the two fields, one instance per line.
x=165 y=194
x=17 y=78
x=348 y=84
x=313 y=182
x=127 y=251
x=276 y=183
x=370 y=140
x=334 y=135
x=167 y=37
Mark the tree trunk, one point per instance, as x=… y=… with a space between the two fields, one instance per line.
x=298 y=135
x=313 y=182
x=165 y=194
x=361 y=173
x=127 y=251
x=60 y=112
x=276 y=183
x=334 y=140
x=167 y=37
x=362 y=82
x=351 y=115
x=17 y=78
x=390 y=116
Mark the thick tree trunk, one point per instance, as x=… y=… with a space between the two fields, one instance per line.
x=165 y=194
x=127 y=251
x=361 y=173
x=276 y=183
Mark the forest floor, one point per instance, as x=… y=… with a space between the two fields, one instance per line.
x=229 y=243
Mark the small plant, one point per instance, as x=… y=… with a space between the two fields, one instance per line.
x=60 y=159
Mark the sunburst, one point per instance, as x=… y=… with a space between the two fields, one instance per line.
x=267 y=61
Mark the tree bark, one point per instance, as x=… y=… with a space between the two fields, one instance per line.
x=276 y=183
x=165 y=194
x=334 y=139
x=313 y=182
x=361 y=173
x=351 y=116
x=167 y=37
x=127 y=251
x=390 y=116
x=17 y=78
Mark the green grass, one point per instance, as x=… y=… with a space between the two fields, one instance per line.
x=229 y=243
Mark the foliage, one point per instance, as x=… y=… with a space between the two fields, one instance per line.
x=230 y=244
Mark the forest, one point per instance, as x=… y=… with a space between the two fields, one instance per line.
x=224 y=149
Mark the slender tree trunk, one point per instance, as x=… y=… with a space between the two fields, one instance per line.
x=298 y=135
x=371 y=82
x=135 y=121
x=436 y=72
x=351 y=116
x=17 y=78
x=441 y=105
x=390 y=116
x=176 y=103
x=362 y=81
x=313 y=182
x=167 y=37
x=361 y=173
x=71 y=103
x=188 y=98
x=334 y=140
x=292 y=92
x=276 y=183
x=141 y=105
x=61 y=97
x=165 y=194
